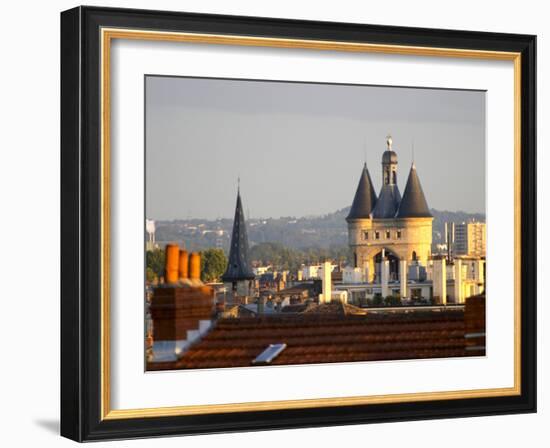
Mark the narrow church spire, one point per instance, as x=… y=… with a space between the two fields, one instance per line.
x=238 y=266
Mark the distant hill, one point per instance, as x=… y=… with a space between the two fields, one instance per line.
x=324 y=231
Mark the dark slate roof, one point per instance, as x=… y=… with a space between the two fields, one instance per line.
x=388 y=202
x=365 y=197
x=413 y=204
x=238 y=266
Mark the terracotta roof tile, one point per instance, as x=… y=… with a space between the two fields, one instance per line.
x=327 y=338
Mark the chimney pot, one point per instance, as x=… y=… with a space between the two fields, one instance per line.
x=172 y=252
x=183 y=270
x=195 y=266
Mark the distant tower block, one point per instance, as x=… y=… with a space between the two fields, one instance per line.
x=172 y=263
x=150 y=229
x=183 y=269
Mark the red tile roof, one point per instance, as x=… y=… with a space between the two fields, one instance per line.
x=327 y=338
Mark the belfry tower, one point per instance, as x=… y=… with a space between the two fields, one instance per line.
x=238 y=273
x=389 y=232
x=389 y=198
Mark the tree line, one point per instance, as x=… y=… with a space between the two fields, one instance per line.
x=213 y=264
x=214 y=260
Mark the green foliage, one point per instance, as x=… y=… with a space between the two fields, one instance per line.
x=150 y=275
x=323 y=231
x=392 y=301
x=283 y=257
x=377 y=300
x=154 y=260
x=213 y=264
x=276 y=254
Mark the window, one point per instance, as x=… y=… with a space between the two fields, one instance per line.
x=366 y=235
x=388 y=234
x=376 y=235
x=398 y=234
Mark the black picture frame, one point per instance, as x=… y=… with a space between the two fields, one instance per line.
x=81 y=224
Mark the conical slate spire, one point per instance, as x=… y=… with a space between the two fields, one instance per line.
x=365 y=197
x=238 y=267
x=413 y=204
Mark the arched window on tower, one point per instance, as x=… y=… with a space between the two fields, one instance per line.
x=394 y=178
x=414 y=255
x=386 y=177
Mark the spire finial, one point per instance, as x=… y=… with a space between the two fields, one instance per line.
x=412 y=150
x=389 y=141
x=238 y=184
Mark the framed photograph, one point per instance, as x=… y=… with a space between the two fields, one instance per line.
x=273 y=223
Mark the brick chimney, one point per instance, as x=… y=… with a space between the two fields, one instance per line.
x=182 y=312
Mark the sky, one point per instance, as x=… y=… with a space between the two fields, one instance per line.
x=299 y=148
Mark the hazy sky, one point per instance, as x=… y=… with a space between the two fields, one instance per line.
x=299 y=148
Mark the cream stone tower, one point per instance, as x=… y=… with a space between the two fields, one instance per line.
x=389 y=231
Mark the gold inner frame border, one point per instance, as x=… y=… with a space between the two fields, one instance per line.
x=107 y=35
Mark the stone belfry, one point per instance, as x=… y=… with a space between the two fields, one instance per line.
x=389 y=197
x=238 y=273
x=389 y=231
